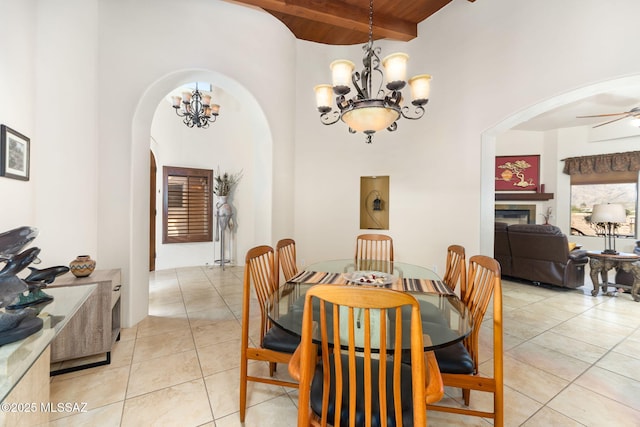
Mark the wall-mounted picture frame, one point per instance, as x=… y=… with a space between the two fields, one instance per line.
x=517 y=173
x=14 y=154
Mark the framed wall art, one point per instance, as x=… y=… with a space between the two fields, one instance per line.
x=14 y=154
x=517 y=173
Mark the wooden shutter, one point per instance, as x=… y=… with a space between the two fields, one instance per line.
x=187 y=210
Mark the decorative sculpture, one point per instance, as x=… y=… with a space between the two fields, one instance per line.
x=634 y=269
x=224 y=183
x=18 y=312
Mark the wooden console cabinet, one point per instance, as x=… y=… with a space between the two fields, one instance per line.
x=96 y=325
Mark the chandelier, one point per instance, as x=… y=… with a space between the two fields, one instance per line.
x=369 y=112
x=197 y=108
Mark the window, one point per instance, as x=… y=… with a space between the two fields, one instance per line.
x=585 y=195
x=187 y=211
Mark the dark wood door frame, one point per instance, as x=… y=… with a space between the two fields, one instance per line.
x=152 y=211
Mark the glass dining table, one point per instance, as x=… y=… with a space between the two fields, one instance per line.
x=445 y=319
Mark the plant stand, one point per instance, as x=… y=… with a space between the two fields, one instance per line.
x=223 y=221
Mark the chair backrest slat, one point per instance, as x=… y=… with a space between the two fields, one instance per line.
x=260 y=272
x=455 y=271
x=483 y=282
x=377 y=247
x=286 y=256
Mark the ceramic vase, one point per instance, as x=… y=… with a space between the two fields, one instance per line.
x=82 y=266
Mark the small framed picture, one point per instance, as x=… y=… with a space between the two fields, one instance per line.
x=14 y=154
x=517 y=173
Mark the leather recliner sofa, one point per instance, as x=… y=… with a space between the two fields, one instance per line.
x=539 y=253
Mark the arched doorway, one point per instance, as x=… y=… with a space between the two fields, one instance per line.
x=259 y=160
x=488 y=144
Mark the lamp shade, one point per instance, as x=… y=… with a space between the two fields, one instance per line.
x=341 y=71
x=420 y=87
x=369 y=119
x=324 y=96
x=610 y=212
x=395 y=68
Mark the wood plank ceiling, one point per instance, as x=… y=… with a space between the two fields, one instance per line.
x=346 y=22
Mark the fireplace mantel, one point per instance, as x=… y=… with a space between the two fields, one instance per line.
x=524 y=196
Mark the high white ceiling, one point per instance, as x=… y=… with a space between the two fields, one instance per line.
x=613 y=101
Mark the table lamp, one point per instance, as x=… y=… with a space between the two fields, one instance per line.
x=610 y=215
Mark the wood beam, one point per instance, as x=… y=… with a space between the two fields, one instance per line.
x=339 y=14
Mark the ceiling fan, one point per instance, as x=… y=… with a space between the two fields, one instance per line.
x=634 y=112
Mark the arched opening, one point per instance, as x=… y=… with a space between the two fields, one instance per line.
x=489 y=137
x=257 y=176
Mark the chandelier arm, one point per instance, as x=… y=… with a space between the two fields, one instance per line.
x=417 y=113
x=329 y=117
x=360 y=88
x=375 y=66
x=393 y=127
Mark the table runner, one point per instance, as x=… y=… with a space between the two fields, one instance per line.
x=404 y=284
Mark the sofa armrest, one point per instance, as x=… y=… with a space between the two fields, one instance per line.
x=579 y=256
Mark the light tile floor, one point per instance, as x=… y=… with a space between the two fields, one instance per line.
x=570 y=360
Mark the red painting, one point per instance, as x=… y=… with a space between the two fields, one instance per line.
x=517 y=173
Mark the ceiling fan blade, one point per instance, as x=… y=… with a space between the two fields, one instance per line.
x=602 y=115
x=611 y=121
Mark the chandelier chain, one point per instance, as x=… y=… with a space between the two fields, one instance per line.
x=370 y=21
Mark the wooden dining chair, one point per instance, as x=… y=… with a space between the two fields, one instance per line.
x=376 y=247
x=286 y=259
x=354 y=384
x=275 y=345
x=459 y=362
x=456 y=267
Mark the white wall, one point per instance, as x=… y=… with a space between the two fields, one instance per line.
x=490 y=61
x=140 y=62
x=17 y=103
x=83 y=79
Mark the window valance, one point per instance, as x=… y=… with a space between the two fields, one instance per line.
x=603 y=163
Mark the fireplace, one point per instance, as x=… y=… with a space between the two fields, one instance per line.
x=515 y=214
